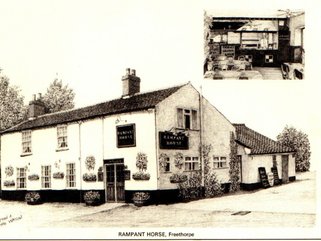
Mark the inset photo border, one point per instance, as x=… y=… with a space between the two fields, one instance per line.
x=249 y=45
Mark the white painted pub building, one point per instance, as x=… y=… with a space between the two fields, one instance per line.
x=64 y=154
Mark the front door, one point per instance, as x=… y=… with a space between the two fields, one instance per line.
x=285 y=168
x=115 y=185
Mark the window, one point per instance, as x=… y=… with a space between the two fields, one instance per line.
x=268 y=58
x=259 y=40
x=71 y=175
x=62 y=136
x=219 y=162
x=26 y=142
x=186 y=118
x=21 y=178
x=191 y=164
x=46 y=176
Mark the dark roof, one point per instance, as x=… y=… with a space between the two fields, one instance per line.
x=258 y=143
x=137 y=102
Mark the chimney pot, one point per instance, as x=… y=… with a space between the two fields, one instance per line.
x=34 y=97
x=39 y=96
x=131 y=83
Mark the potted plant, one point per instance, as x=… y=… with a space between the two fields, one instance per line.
x=141 y=176
x=163 y=157
x=89 y=177
x=141 y=164
x=90 y=163
x=178 y=160
x=92 y=198
x=33 y=177
x=140 y=198
x=9 y=171
x=9 y=183
x=58 y=175
x=178 y=178
x=33 y=198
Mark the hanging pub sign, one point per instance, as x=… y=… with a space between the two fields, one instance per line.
x=126 y=136
x=169 y=140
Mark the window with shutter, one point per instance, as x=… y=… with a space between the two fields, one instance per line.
x=194 y=119
x=180 y=118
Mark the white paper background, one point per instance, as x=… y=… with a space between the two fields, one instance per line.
x=90 y=43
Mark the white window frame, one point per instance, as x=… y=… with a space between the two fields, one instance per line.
x=219 y=162
x=46 y=176
x=183 y=114
x=71 y=175
x=26 y=142
x=21 y=178
x=62 y=137
x=191 y=164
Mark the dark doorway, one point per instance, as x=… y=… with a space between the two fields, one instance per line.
x=115 y=184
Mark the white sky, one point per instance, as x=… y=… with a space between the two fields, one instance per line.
x=90 y=43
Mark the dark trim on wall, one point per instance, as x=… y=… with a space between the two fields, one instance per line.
x=72 y=196
x=251 y=186
x=292 y=179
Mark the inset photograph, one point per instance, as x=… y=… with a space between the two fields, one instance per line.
x=250 y=45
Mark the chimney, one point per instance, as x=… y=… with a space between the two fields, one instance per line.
x=36 y=107
x=131 y=83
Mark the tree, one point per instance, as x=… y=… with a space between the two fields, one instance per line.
x=12 y=109
x=58 y=97
x=207 y=35
x=299 y=142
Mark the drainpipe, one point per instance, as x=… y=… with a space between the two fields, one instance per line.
x=201 y=133
x=79 y=158
x=103 y=152
x=156 y=151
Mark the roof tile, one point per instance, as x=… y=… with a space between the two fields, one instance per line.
x=258 y=143
x=141 y=101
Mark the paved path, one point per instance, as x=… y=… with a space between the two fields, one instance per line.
x=289 y=205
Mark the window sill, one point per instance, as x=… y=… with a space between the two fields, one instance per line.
x=26 y=154
x=221 y=168
x=62 y=149
x=186 y=129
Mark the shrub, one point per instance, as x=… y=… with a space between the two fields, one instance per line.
x=33 y=198
x=178 y=178
x=89 y=177
x=192 y=188
x=213 y=187
x=234 y=170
